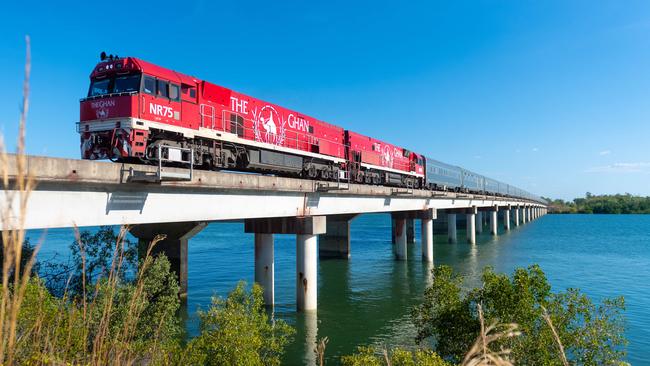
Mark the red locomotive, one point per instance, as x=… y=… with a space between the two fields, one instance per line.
x=136 y=111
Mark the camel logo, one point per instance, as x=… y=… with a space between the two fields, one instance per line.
x=101 y=113
x=268 y=126
x=101 y=107
x=386 y=157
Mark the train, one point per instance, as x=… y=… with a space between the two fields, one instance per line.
x=139 y=112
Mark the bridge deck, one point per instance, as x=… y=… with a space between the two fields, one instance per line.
x=88 y=193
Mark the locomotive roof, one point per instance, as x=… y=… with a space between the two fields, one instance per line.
x=108 y=66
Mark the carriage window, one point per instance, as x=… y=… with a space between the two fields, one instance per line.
x=162 y=90
x=149 y=85
x=174 y=92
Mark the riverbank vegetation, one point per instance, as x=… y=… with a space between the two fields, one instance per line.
x=589 y=334
x=602 y=204
x=508 y=320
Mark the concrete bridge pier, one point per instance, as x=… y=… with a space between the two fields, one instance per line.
x=506 y=219
x=335 y=243
x=451 y=227
x=494 y=218
x=265 y=266
x=427 y=217
x=174 y=246
x=479 y=222
x=306 y=230
x=516 y=212
x=400 y=248
x=409 y=228
x=410 y=231
x=524 y=212
x=306 y=271
x=471 y=225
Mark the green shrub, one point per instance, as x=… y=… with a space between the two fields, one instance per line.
x=237 y=331
x=591 y=334
x=368 y=356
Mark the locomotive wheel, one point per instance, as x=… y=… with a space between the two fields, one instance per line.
x=325 y=174
x=312 y=172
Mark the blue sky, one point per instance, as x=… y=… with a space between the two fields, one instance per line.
x=553 y=96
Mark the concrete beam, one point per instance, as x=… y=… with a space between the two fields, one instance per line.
x=310 y=225
x=174 y=246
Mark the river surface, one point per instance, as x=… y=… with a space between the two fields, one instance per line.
x=366 y=300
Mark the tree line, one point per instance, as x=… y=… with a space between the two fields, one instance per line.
x=601 y=204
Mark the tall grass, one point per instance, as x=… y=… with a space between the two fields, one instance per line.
x=38 y=328
x=16 y=195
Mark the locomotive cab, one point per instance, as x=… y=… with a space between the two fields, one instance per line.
x=125 y=99
x=108 y=112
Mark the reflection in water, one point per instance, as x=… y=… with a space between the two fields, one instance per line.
x=310 y=319
x=427 y=269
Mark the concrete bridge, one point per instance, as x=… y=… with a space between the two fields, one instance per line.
x=88 y=193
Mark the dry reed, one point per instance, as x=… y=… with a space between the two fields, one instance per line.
x=320 y=350
x=16 y=193
x=480 y=354
x=556 y=337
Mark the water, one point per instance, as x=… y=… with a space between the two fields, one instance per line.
x=367 y=299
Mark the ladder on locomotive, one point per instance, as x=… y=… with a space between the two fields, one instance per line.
x=207 y=113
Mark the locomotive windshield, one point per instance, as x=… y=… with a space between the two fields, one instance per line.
x=127 y=83
x=99 y=87
x=115 y=84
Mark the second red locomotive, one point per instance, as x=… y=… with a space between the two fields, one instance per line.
x=139 y=112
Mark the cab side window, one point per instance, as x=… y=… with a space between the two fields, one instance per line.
x=174 y=92
x=188 y=93
x=149 y=85
x=163 y=89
